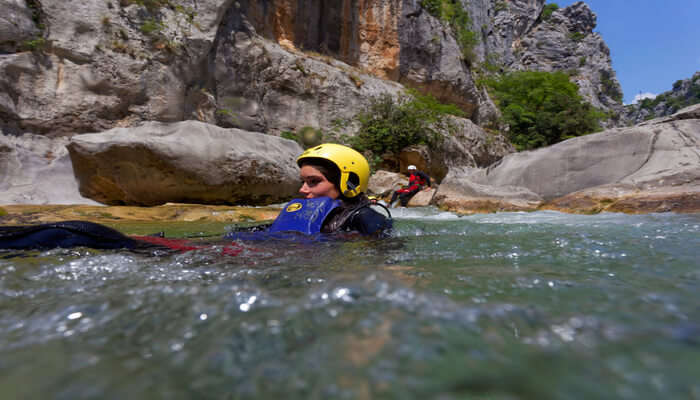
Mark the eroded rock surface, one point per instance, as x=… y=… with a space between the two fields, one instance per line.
x=35 y=169
x=626 y=164
x=186 y=162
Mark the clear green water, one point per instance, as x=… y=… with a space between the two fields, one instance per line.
x=501 y=306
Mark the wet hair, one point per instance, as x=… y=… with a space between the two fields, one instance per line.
x=332 y=173
x=325 y=167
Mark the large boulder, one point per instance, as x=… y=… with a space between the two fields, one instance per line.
x=186 y=162
x=383 y=183
x=37 y=170
x=423 y=198
x=645 y=161
x=461 y=191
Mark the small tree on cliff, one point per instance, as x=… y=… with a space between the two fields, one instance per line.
x=388 y=124
x=542 y=108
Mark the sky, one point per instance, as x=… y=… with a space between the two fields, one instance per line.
x=653 y=43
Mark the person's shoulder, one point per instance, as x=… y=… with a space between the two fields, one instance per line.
x=369 y=221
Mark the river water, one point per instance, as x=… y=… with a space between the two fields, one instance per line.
x=497 y=306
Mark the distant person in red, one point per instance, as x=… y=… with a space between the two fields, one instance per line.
x=417 y=181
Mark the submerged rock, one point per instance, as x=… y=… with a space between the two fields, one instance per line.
x=186 y=162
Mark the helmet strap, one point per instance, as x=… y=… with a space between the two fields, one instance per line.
x=348 y=188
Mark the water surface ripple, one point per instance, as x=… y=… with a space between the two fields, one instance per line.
x=500 y=306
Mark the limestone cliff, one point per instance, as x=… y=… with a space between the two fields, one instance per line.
x=685 y=92
x=269 y=65
x=72 y=67
x=520 y=35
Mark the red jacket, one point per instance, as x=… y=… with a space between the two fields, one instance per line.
x=417 y=180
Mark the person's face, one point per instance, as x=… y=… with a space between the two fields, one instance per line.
x=315 y=184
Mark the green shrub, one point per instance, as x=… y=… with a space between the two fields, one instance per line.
x=2 y=212
x=389 y=125
x=151 y=5
x=548 y=10
x=609 y=86
x=152 y=27
x=500 y=6
x=289 y=135
x=307 y=136
x=577 y=36
x=433 y=7
x=36 y=44
x=542 y=108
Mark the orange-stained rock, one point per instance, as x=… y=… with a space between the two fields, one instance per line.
x=630 y=200
x=33 y=214
x=487 y=205
x=361 y=33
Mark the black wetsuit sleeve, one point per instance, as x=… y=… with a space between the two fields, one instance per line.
x=65 y=234
x=369 y=222
x=424 y=176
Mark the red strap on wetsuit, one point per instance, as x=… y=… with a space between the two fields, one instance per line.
x=232 y=249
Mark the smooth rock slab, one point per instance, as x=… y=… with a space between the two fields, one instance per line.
x=185 y=162
x=645 y=168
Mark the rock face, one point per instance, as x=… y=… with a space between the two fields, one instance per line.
x=269 y=66
x=685 y=92
x=17 y=26
x=466 y=146
x=184 y=162
x=516 y=35
x=659 y=161
x=35 y=169
x=105 y=64
x=266 y=65
x=262 y=86
x=566 y=42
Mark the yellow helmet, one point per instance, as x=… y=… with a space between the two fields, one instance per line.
x=353 y=167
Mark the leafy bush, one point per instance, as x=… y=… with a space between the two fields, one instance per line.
x=307 y=136
x=152 y=27
x=577 y=36
x=673 y=101
x=609 y=86
x=151 y=5
x=289 y=135
x=542 y=108
x=500 y=6
x=389 y=124
x=548 y=10
x=36 y=44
